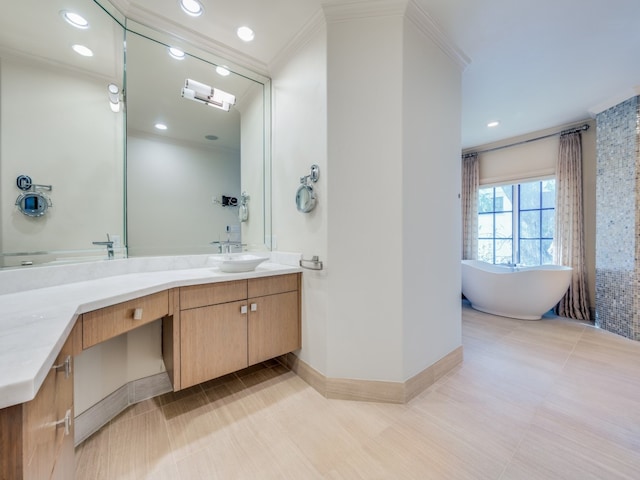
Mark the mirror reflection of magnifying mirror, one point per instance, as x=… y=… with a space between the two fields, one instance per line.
x=33 y=204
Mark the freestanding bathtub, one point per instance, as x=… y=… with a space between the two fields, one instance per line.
x=517 y=292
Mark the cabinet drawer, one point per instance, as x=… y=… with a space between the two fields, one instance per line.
x=212 y=294
x=108 y=322
x=259 y=287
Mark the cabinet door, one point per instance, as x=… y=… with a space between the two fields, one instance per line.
x=48 y=436
x=213 y=342
x=65 y=446
x=274 y=326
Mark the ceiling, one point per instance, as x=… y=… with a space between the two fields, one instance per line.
x=533 y=65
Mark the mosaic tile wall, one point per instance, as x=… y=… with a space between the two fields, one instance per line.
x=617 y=223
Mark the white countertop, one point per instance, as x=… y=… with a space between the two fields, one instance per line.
x=35 y=323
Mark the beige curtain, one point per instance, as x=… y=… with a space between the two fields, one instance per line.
x=470 y=185
x=569 y=234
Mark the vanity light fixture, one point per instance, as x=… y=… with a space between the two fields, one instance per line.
x=493 y=124
x=114 y=97
x=222 y=71
x=160 y=126
x=192 y=7
x=176 y=53
x=245 y=34
x=214 y=97
x=74 y=19
x=82 y=50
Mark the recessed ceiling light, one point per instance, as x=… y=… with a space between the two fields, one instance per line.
x=493 y=124
x=245 y=34
x=192 y=7
x=223 y=71
x=160 y=126
x=74 y=19
x=82 y=50
x=176 y=53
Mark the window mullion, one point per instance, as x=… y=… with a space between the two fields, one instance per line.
x=515 y=254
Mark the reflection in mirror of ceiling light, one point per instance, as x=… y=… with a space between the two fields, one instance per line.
x=192 y=7
x=176 y=53
x=160 y=126
x=493 y=124
x=74 y=19
x=245 y=34
x=222 y=71
x=211 y=137
x=114 y=97
x=82 y=50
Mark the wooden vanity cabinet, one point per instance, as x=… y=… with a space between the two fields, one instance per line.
x=274 y=317
x=37 y=437
x=221 y=328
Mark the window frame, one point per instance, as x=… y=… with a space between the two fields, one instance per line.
x=516 y=210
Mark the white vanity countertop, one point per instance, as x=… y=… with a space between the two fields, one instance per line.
x=35 y=323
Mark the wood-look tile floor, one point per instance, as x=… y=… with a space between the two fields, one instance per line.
x=554 y=399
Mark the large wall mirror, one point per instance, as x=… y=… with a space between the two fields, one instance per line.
x=174 y=192
x=199 y=178
x=56 y=128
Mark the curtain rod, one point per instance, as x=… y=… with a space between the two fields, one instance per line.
x=563 y=132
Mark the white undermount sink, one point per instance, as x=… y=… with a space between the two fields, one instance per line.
x=241 y=263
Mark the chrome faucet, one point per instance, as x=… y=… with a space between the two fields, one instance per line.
x=109 y=245
x=225 y=246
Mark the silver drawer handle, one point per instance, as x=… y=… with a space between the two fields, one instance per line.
x=64 y=367
x=65 y=422
x=243 y=309
x=137 y=314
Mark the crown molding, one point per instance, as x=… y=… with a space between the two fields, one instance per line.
x=151 y=20
x=308 y=31
x=341 y=11
x=430 y=27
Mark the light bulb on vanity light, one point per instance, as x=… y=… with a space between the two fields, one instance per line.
x=201 y=93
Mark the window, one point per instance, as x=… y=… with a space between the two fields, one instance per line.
x=516 y=223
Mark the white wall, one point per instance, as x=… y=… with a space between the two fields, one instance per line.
x=299 y=141
x=431 y=207
x=253 y=169
x=170 y=190
x=365 y=235
x=383 y=133
x=58 y=129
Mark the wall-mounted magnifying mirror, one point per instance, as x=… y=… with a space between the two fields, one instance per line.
x=305 y=198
